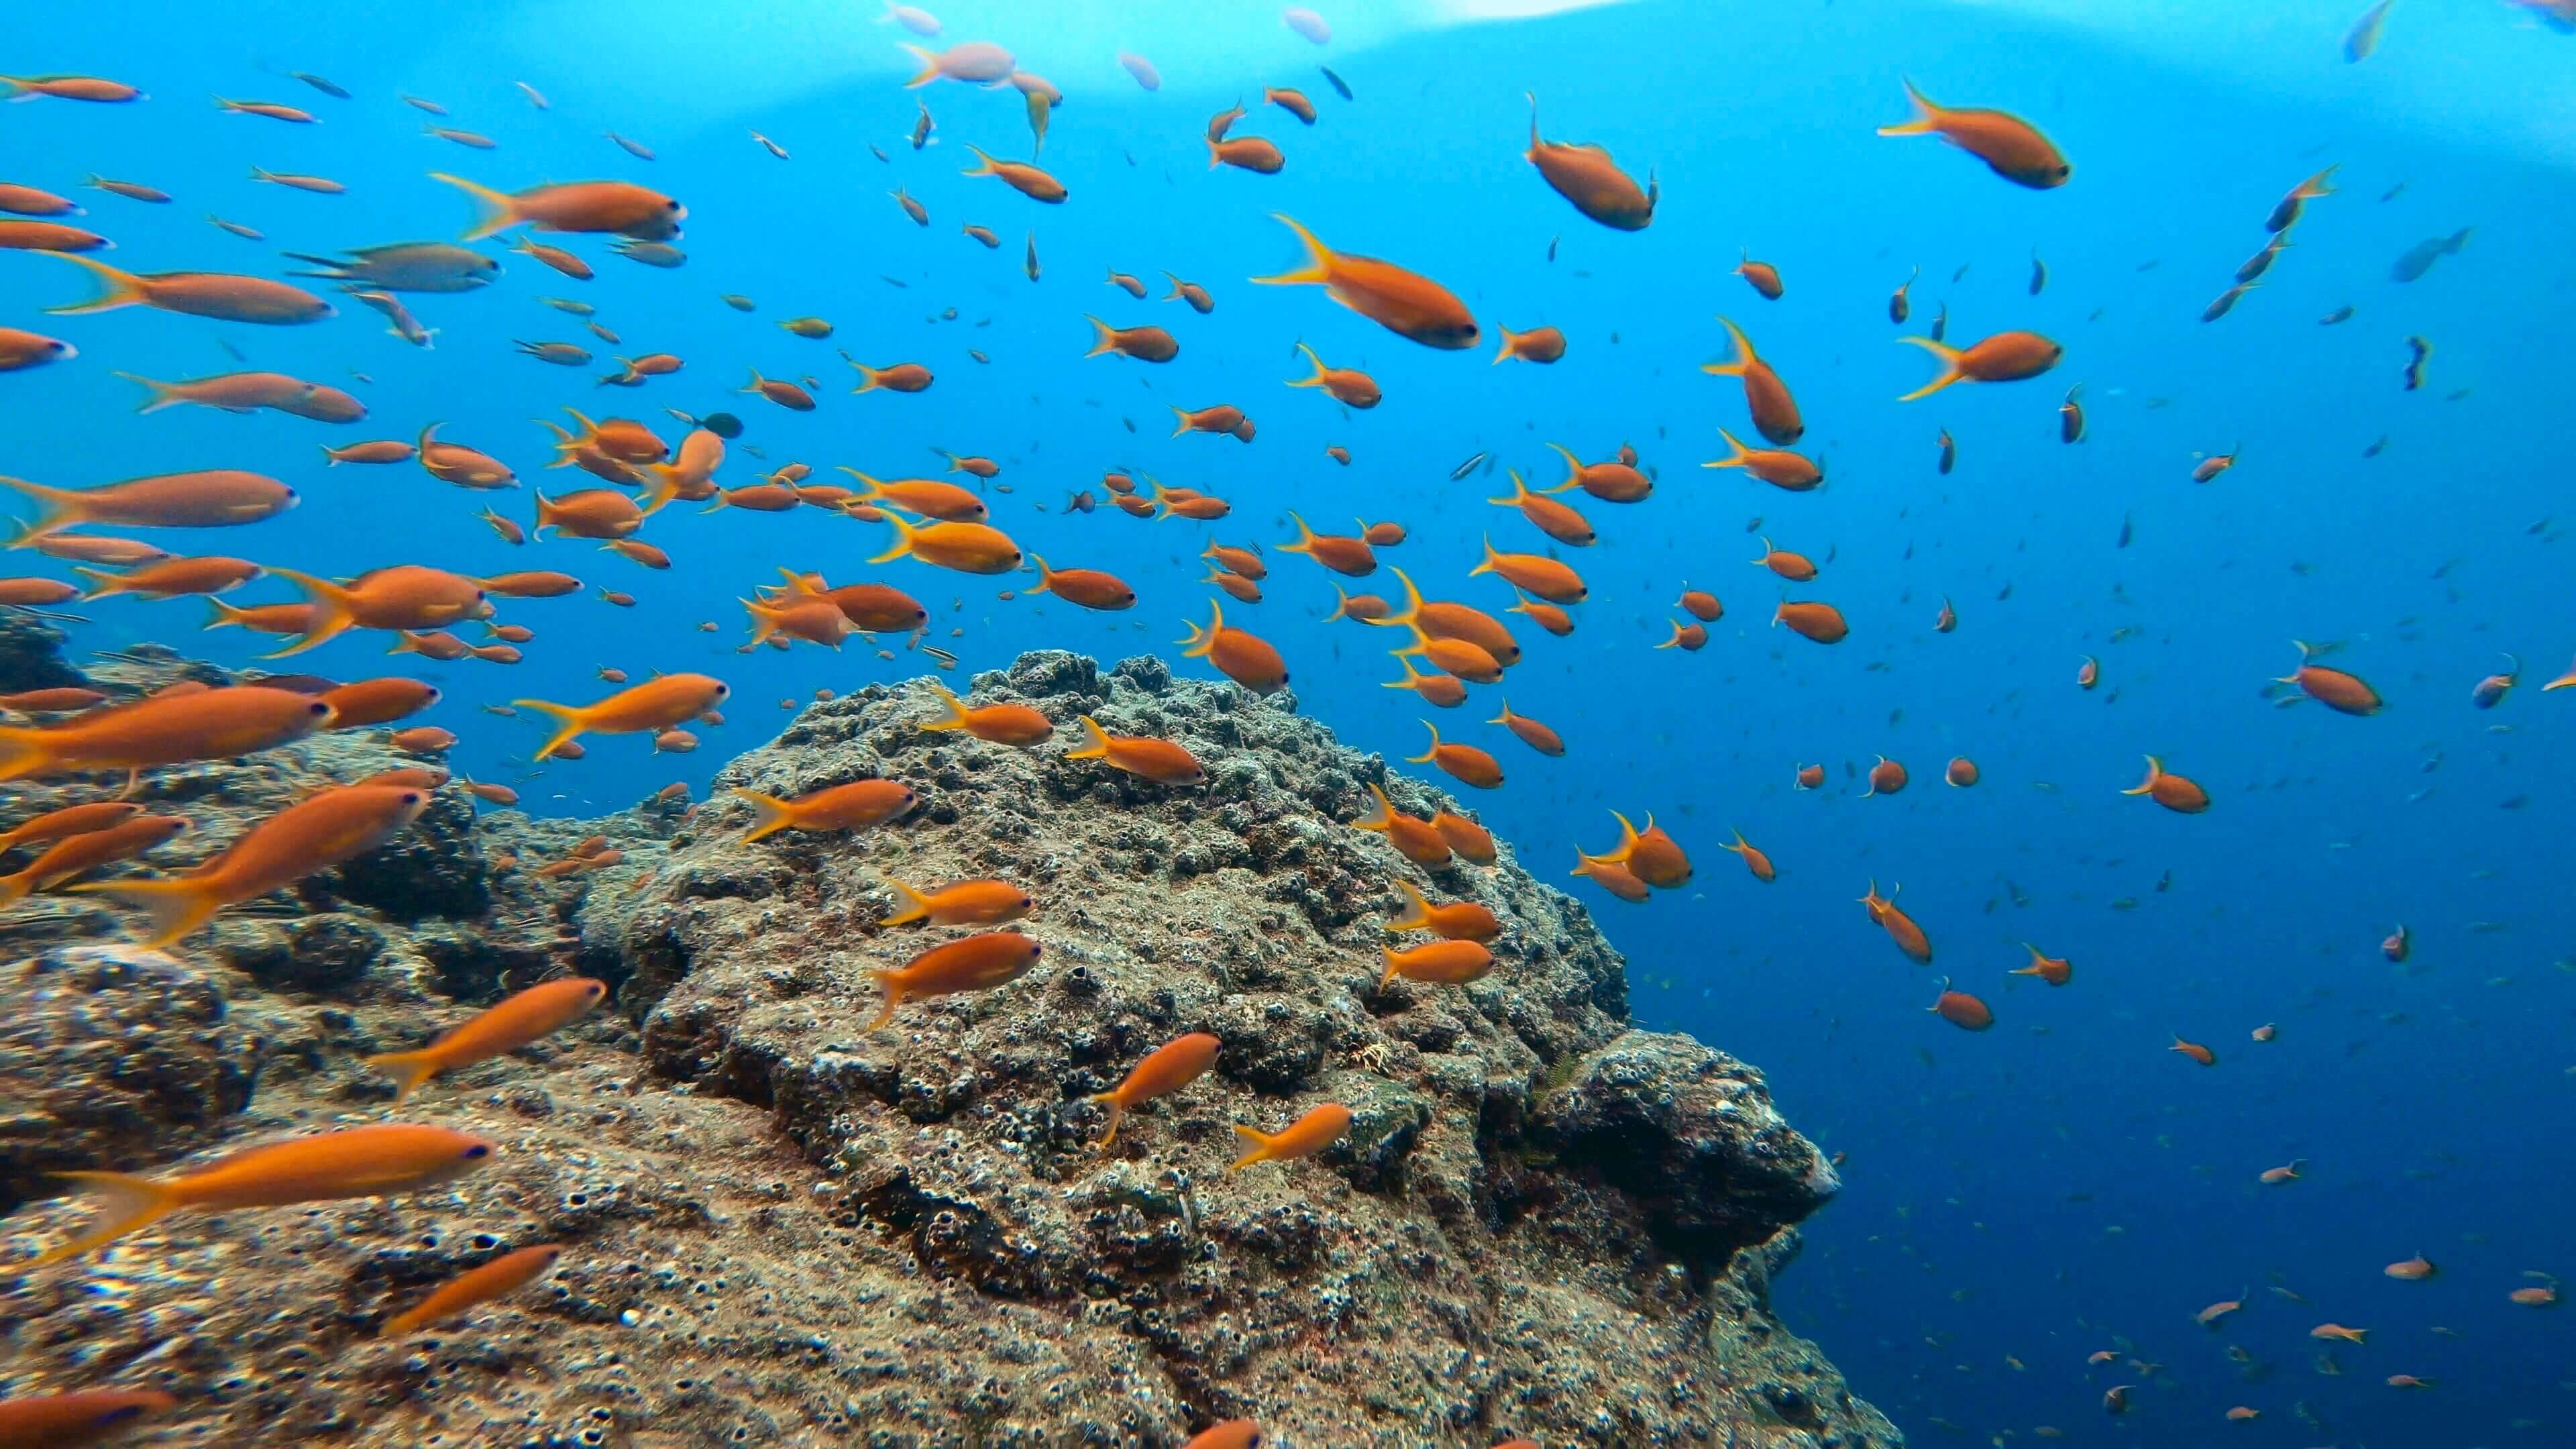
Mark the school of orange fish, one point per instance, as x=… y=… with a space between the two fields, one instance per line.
x=933 y=522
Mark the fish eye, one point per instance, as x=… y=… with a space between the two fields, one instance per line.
x=478 y=1152
x=318 y=708
x=411 y=797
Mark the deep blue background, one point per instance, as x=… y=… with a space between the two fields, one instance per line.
x=2060 y=1185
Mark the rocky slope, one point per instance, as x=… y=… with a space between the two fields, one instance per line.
x=784 y=1229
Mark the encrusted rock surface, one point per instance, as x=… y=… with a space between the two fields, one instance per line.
x=784 y=1229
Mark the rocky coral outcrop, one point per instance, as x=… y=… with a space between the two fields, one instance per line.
x=783 y=1228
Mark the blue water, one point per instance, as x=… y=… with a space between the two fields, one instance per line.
x=2059 y=1185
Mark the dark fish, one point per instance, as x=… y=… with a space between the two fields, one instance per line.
x=2340 y=314
x=1339 y=88
x=1960 y=274
x=894 y=281
x=2128 y=530
x=879 y=152
x=2375 y=449
x=319 y=84
x=1949 y=453
x=723 y=425
x=2070 y=416
x=1941 y=323
x=1031 y=265
x=1551 y=248
x=2414 y=373
x=2224 y=303
x=229 y=350
x=2038 y=274
x=2419 y=258
x=1463 y=469
x=2392 y=193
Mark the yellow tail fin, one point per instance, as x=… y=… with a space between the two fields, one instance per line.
x=903 y=533
x=1925 y=114
x=1098 y=749
x=1417 y=911
x=1105 y=339
x=125 y=1204
x=1260 y=1147
x=1319 y=258
x=178 y=904
x=775 y=815
x=1950 y=372
x=159 y=395
x=929 y=68
x=408 y=1069
x=1117 y=1110
x=496 y=211
x=119 y=289
x=956 y=709
x=568 y=723
x=333 y=612
x=916 y=906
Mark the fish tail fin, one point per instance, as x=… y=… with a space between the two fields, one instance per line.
x=1532 y=98
x=1926 y=115
x=1260 y=1147
x=126 y=1204
x=1394 y=966
x=1950 y=372
x=116 y=288
x=1202 y=642
x=1318 y=379
x=867 y=378
x=1511 y=340
x=1520 y=491
x=569 y=722
x=916 y=906
x=177 y=905
x=1046 y=577
x=1305 y=543
x=929 y=67
x=2155 y=772
x=984 y=164
x=1173 y=295
x=1319 y=257
x=2458 y=240
x=333 y=612
x=1117 y=1109
x=1412 y=603
x=1427 y=755
x=956 y=709
x=408 y=1069
x=1180 y=425
x=1341 y=604
x=1573 y=470
x=1098 y=749
x=903 y=535
x=495 y=212
x=892 y=981
x=1382 y=810
x=108 y=583
x=17 y=887
x=774 y=815
x=1104 y=339
x=1674 y=642
x=1417 y=909
x=1735 y=459
x=159 y=395
x=1491 y=557
x=1216 y=157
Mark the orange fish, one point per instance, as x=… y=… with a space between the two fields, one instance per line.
x=74 y=1421
x=579 y=206
x=900 y=377
x=213 y=499
x=477 y=1286
x=1232 y=1434
x=1464 y=763
x=1612 y=482
x=1797 y=568
x=1000 y=724
x=1540 y=345
x=375 y=1161
x=1145 y=344
x=80 y=853
x=2003 y=357
x=974 y=963
x=1089 y=588
x=1810 y=777
x=1557 y=520
x=1244 y=658
x=1538 y=574
x=1529 y=731
x=2010 y=146
x=213 y=724
x=1308 y=1135
x=1489 y=647
x=1650 y=855
x=311 y=835
x=1165 y=1070
x=1702 y=605
x=1346 y=385
x=2336 y=690
x=655 y=705
x=1586 y=176
x=1775 y=412
x=2195 y=1051
x=1887 y=777
x=1961 y=773
x=967 y=903
x=1780 y=468
x=69 y=820
x=2089 y=673
x=1618 y=880
x=1960 y=1009
x=1761 y=276
x=405 y=596
x=854 y=806
x=2055 y=970
x=2215 y=1313
x=1343 y=554
x=1405 y=303
x=2337 y=1331
x=2174 y=792
x=1362 y=607
x=529 y=1016
x=972 y=548
x=1441 y=691
x=1900 y=927
x=929 y=497
x=2408 y=1381
x=2241 y=1414
x=220 y=296
x=1455 y=921
x=2544 y=1296
x=1437 y=963
x=1754 y=860
x=1691 y=637
x=1417 y=840
x=2398 y=945
x=1547 y=616
x=378 y=701
x=2286 y=1172
x=1255 y=154
x=1161 y=761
